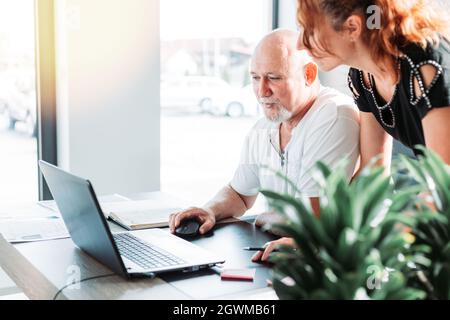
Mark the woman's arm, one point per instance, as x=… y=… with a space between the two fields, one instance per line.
x=435 y=124
x=436 y=128
x=374 y=141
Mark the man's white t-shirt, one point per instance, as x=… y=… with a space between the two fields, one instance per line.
x=329 y=132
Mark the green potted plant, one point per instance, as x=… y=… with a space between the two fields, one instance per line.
x=359 y=248
x=432 y=235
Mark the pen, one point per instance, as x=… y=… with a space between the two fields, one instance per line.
x=257 y=249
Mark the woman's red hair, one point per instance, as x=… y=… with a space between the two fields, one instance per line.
x=402 y=22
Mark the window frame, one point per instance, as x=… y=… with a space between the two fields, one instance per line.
x=45 y=88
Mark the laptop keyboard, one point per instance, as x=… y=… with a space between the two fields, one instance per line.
x=144 y=254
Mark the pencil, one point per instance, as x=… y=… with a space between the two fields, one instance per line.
x=257 y=249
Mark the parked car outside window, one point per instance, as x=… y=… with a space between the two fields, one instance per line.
x=208 y=95
x=18 y=99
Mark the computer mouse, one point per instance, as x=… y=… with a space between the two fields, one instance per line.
x=188 y=228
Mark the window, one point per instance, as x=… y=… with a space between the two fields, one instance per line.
x=207 y=102
x=18 y=161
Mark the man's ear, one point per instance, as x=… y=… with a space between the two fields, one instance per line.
x=311 y=73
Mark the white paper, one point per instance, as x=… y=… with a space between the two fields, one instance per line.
x=37 y=229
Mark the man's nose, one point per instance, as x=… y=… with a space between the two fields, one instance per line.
x=263 y=89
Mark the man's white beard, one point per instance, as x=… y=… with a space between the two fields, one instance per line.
x=281 y=116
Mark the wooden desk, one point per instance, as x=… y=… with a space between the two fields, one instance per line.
x=42 y=268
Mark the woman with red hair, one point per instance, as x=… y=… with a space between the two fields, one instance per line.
x=399 y=59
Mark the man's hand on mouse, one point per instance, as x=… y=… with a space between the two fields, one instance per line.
x=270 y=246
x=206 y=218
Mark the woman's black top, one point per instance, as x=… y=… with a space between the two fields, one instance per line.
x=402 y=116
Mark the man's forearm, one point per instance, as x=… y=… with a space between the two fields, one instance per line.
x=228 y=203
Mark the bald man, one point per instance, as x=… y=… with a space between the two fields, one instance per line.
x=304 y=122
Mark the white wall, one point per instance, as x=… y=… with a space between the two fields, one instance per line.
x=287 y=13
x=108 y=110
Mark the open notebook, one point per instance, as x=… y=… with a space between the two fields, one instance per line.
x=142 y=214
x=135 y=214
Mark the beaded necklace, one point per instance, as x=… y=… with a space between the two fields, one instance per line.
x=387 y=106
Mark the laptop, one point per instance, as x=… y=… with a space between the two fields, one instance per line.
x=130 y=253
